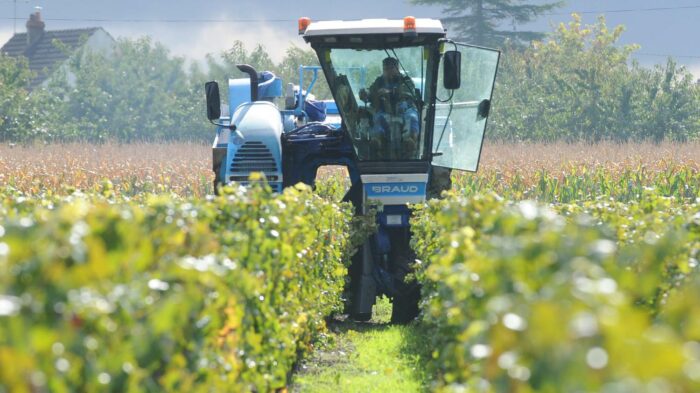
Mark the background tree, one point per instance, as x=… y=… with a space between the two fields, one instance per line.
x=138 y=93
x=223 y=65
x=17 y=110
x=579 y=85
x=482 y=22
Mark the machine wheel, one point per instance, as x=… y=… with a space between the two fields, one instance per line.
x=405 y=304
x=361 y=317
x=351 y=288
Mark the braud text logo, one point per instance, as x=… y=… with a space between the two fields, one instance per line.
x=395 y=189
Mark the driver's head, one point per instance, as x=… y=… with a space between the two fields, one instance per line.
x=390 y=66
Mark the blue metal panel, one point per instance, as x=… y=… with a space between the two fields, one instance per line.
x=270 y=89
x=259 y=149
x=231 y=150
x=331 y=107
x=238 y=92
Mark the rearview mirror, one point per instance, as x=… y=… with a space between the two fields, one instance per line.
x=452 y=69
x=213 y=100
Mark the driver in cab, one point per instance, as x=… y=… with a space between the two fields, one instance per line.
x=392 y=97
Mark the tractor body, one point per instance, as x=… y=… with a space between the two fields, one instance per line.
x=398 y=140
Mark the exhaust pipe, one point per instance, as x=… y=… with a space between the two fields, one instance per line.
x=253 y=80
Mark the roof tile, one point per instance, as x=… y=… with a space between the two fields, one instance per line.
x=44 y=56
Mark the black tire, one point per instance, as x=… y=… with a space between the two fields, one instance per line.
x=361 y=317
x=352 y=286
x=405 y=303
x=405 y=306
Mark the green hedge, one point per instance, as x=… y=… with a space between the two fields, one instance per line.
x=164 y=294
x=582 y=183
x=572 y=298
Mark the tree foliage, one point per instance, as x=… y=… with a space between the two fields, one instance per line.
x=139 y=92
x=580 y=84
x=14 y=79
x=480 y=21
x=577 y=84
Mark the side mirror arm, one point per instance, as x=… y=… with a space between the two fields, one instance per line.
x=231 y=127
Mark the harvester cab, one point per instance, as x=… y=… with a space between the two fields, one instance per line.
x=408 y=106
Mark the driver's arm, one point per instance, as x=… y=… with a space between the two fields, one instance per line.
x=371 y=96
x=407 y=90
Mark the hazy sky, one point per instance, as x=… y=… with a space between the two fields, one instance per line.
x=660 y=32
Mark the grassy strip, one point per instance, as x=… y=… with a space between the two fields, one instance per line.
x=365 y=357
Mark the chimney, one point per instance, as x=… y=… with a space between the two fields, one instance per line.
x=35 y=27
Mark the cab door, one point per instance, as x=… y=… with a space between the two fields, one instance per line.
x=461 y=114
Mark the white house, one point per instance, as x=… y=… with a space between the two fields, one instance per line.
x=50 y=51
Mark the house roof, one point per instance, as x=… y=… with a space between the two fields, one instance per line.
x=44 y=57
